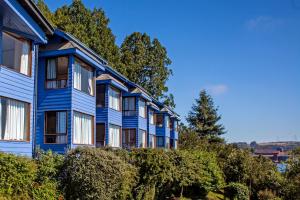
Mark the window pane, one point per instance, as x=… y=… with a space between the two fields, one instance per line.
x=142 y=138
x=151 y=115
x=57 y=72
x=142 y=108
x=14 y=119
x=16 y=53
x=129 y=106
x=83 y=77
x=100 y=96
x=129 y=138
x=114 y=99
x=159 y=120
x=159 y=141
x=114 y=136
x=56 y=127
x=100 y=135
x=83 y=128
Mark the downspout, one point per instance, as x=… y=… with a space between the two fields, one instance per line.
x=35 y=99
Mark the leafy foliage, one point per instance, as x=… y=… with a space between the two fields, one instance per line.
x=237 y=191
x=90 y=173
x=145 y=62
x=17 y=176
x=203 y=118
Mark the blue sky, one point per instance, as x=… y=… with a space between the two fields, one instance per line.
x=245 y=53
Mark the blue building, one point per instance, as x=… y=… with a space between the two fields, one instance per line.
x=22 y=30
x=66 y=108
x=56 y=93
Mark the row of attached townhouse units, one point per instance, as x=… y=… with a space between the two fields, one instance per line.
x=56 y=93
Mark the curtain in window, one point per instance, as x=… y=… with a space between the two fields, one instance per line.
x=82 y=128
x=77 y=76
x=24 y=58
x=151 y=115
x=114 y=136
x=114 y=99
x=142 y=138
x=51 y=73
x=142 y=108
x=15 y=125
x=61 y=128
x=90 y=82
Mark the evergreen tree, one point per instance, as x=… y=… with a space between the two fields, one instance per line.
x=145 y=62
x=203 y=118
x=169 y=101
x=45 y=10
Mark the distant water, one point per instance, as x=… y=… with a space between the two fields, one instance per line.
x=281 y=167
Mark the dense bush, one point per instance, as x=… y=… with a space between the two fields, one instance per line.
x=48 y=169
x=17 y=176
x=267 y=195
x=155 y=172
x=90 y=173
x=237 y=191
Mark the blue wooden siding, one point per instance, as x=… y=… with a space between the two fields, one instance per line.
x=19 y=87
x=52 y=100
x=108 y=116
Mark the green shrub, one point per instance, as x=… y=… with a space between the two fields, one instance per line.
x=17 y=176
x=155 y=172
x=236 y=191
x=267 y=195
x=48 y=169
x=90 y=173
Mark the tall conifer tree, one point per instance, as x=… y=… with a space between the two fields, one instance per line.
x=204 y=118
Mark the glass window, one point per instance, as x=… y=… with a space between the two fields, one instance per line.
x=159 y=120
x=168 y=122
x=16 y=53
x=152 y=141
x=129 y=106
x=142 y=108
x=142 y=139
x=83 y=128
x=57 y=72
x=171 y=123
x=159 y=141
x=83 y=77
x=114 y=99
x=151 y=116
x=15 y=119
x=175 y=144
x=100 y=135
x=56 y=127
x=100 y=96
x=114 y=136
x=171 y=143
x=167 y=142
x=129 y=138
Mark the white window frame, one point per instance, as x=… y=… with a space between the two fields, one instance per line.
x=142 y=108
x=114 y=99
x=81 y=133
x=114 y=136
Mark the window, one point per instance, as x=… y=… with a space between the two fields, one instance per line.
x=129 y=138
x=57 y=72
x=56 y=127
x=159 y=120
x=159 y=141
x=15 y=119
x=151 y=116
x=83 y=77
x=176 y=125
x=129 y=106
x=152 y=141
x=16 y=53
x=142 y=108
x=114 y=99
x=100 y=135
x=100 y=96
x=83 y=129
x=175 y=144
x=171 y=123
x=171 y=144
x=168 y=122
x=142 y=138
x=167 y=142
x=114 y=136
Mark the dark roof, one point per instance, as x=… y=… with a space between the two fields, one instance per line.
x=37 y=15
